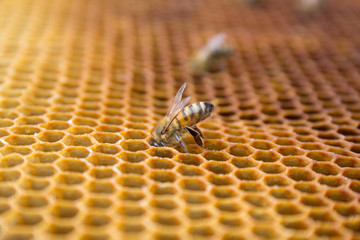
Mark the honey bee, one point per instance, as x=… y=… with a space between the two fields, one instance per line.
x=211 y=57
x=180 y=120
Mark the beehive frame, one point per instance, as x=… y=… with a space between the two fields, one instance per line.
x=83 y=83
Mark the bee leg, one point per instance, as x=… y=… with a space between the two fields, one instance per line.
x=196 y=135
x=198 y=130
x=177 y=137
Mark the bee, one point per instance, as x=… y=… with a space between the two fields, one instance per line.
x=309 y=7
x=180 y=120
x=211 y=57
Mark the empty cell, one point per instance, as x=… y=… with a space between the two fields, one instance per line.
x=131 y=181
x=67 y=193
x=262 y=145
x=240 y=150
x=223 y=192
x=160 y=189
x=132 y=195
x=295 y=161
x=42 y=157
x=325 y=168
x=339 y=195
x=131 y=228
x=218 y=167
x=327 y=232
x=134 y=134
x=276 y=181
x=243 y=162
x=346 y=210
x=100 y=187
x=212 y=135
x=290 y=151
x=319 y=156
x=99 y=159
x=55 y=125
x=108 y=129
x=26 y=130
x=355 y=186
x=248 y=174
x=131 y=210
x=7 y=191
x=266 y=156
x=34 y=184
x=332 y=181
x=202 y=231
x=4 y=123
x=282 y=193
x=32 y=201
x=20 y=140
x=72 y=165
x=98 y=202
x=96 y=220
x=132 y=168
x=252 y=187
x=26 y=219
x=190 y=171
x=39 y=170
x=166 y=220
x=133 y=157
x=219 y=180
x=216 y=156
x=60 y=229
x=11 y=160
x=311 y=146
x=299 y=174
x=272 y=168
x=257 y=200
x=265 y=232
x=287 y=209
x=321 y=215
x=300 y=225
x=134 y=145
x=162 y=176
x=74 y=140
x=75 y=152
x=192 y=184
x=49 y=147
x=104 y=148
x=353 y=173
x=106 y=137
x=161 y=152
x=84 y=122
x=189 y=159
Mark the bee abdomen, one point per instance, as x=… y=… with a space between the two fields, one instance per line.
x=195 y=113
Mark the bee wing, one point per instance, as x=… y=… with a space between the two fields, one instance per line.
x=176 y=107
x=215 y=42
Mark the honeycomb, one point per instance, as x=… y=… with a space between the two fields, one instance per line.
x=83 y=83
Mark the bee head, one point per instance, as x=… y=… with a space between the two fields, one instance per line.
x=156 y=135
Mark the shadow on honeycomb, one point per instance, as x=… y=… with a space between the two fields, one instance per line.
x=84 y=82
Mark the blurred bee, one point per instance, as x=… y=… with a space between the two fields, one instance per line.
x=309 y=7
x=211 y=57
x=179 y=120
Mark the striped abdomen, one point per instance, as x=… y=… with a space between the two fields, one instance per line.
x=194 y=113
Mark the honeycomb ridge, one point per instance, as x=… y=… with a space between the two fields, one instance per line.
x=83 y=82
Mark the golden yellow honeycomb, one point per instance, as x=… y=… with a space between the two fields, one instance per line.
x=83 y=82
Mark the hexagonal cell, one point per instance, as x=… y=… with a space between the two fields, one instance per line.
x=192 y=184
x=32 y=201
x=132 y=195
x=133 y=157
x=98 y=202
x=160 y=163
x=272 y=168
x=59 y=229
x=74 y=140
x=49 y=147
x=131 y=210
x=313 y=201
x=162 y=176
x=132 y=168
x=307 y=187
x=11 y=160
x=311 y=146
x=9 y=175
x=59 y=116
x=352 y=174
x=18 y=140
x=327 y=232
x=295 y=224
x=161 y=152
x=262 y=145
x=223 y=192
x=321 y=215
x=106 y=137
x=6 y=191
x=189 y=159
x=265 y=232
x=287 y=209
x=299 y=174
x=216 y=156
x=134 y=145
x=101 y=187
x=216 y=145
x=72 y=165
x=85 y=122
x=67 y=193
x=332 y=181
x=257 y=200
x=285 y=142
x=219 y=180
x=347 y=210
x=319 y=156
x=325 y=168
x=276 y=181
x=259 y=214
x=236 y=139
x=4 y=123
x=108 y=129
x=218 y=167
x=290 y=151
x=240 y=150
x=161 y=189
x=26 y=130
x=34 y=184
x=295 y=161
x=243 y=162
x=355 y=186
x=166 y=220
x=99 y=159
x=251 y=187
x=39 y=170
x=8 y=114
x=282 y=193
x=75 y=152
x=70 y=178
x=266 y=156
x=134 y=134
x=96 y=220
x=247 y=174
x=212 y=135
x=56 y=125
x=227 y=205
x=131 y=181
x=197 y=214
x=339 y=195
x=27 y=219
